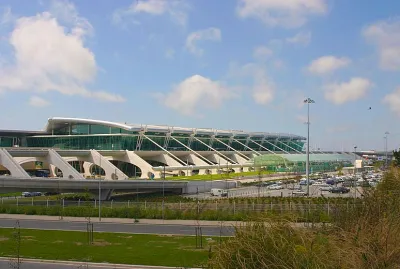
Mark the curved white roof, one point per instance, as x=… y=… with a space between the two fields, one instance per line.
x=58 y=122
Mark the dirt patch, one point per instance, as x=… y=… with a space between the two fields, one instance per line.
x=161 y=242
x=78 y=243
x=126 y=237
x=2 y=238
x=58 y=242
x=27 y=237
x=170 y=235
x=101 y=243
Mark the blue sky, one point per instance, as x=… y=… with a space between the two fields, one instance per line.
x=238 y=64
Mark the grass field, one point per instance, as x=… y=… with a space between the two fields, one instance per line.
x=10 y=194
x=174 y=251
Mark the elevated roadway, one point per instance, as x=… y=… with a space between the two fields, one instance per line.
x=13 y=184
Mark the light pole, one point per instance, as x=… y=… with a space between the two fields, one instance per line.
x=355 y=168
x=386 y=149
x=100 y=191
x=308 y=101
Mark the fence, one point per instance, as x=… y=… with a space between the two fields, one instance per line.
x=199 y=207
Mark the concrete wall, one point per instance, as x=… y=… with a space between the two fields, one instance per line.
x=206 y=186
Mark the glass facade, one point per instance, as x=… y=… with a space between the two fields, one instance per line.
x=150 y=143
x=102 y=137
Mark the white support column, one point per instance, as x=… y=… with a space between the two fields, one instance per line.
x=13 y=166
x=107 y=166
x=68 y=171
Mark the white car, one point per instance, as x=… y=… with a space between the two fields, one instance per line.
x=299 y=193
x=275 y=187
x=325 y=187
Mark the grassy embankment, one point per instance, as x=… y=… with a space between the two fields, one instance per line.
x=175 y=251
x=293 y=209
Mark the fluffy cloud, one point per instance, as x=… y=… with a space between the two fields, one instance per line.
x=261 y=86
x=385 y=35
x=327 y=64
x=50 y=57
x=262 y=53
x=37 y=101
x=195 y=93
x=286 y=13
x=210 y=34
x=176 y=9
x=301 y=38
x=393 y=100
x=340 y=93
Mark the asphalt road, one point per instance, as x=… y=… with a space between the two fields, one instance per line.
x=36 y=264
x=136 y=228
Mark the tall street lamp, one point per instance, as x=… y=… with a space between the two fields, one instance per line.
x=355 y=168
x=386 y=149
x=308 y=101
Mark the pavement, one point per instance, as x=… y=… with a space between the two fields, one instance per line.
x=113 y=226
x=47 y=264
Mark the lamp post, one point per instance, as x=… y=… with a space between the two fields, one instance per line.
x=386 y=149
x=355 y=167
x=100 y=191
x=308 y=101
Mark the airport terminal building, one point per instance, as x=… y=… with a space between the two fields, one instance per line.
x=121 y=150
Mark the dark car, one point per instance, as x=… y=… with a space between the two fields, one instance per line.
x=340 y=190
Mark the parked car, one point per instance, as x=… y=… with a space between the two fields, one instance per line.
x=219 y=192
x=299 y=193
x=325 y=187
x=31 y=194
x=275 y=187
x=339 y=190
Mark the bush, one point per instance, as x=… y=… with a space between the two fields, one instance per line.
x=363 y=234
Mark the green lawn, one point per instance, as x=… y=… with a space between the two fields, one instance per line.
x=10 y=194
x=174 y=251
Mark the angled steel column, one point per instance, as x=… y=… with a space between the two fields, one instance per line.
x=242 y=155
x=211 y=148
x=169 y=153
x=194 y=152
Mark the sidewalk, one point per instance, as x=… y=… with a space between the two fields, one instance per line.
x=122 y=220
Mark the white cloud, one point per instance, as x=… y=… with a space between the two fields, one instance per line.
x=37 y=101
x=262 y=87
x=176 y=9
x=385 y=35
x=327 y=64
x=301 y=38
x=262 y=53
x=170 y=53
x=210 y=34
x=286 y=13
x=50 y=57
x=393 y=100
x=196 y=93
x=340 y=93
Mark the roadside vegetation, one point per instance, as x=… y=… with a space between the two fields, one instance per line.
x=297 y=209
x=364 y=235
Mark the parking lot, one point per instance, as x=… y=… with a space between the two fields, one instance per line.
x=319 y=188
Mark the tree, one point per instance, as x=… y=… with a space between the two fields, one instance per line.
x=396 y=156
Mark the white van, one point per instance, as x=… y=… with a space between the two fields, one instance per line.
x=219 y=192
